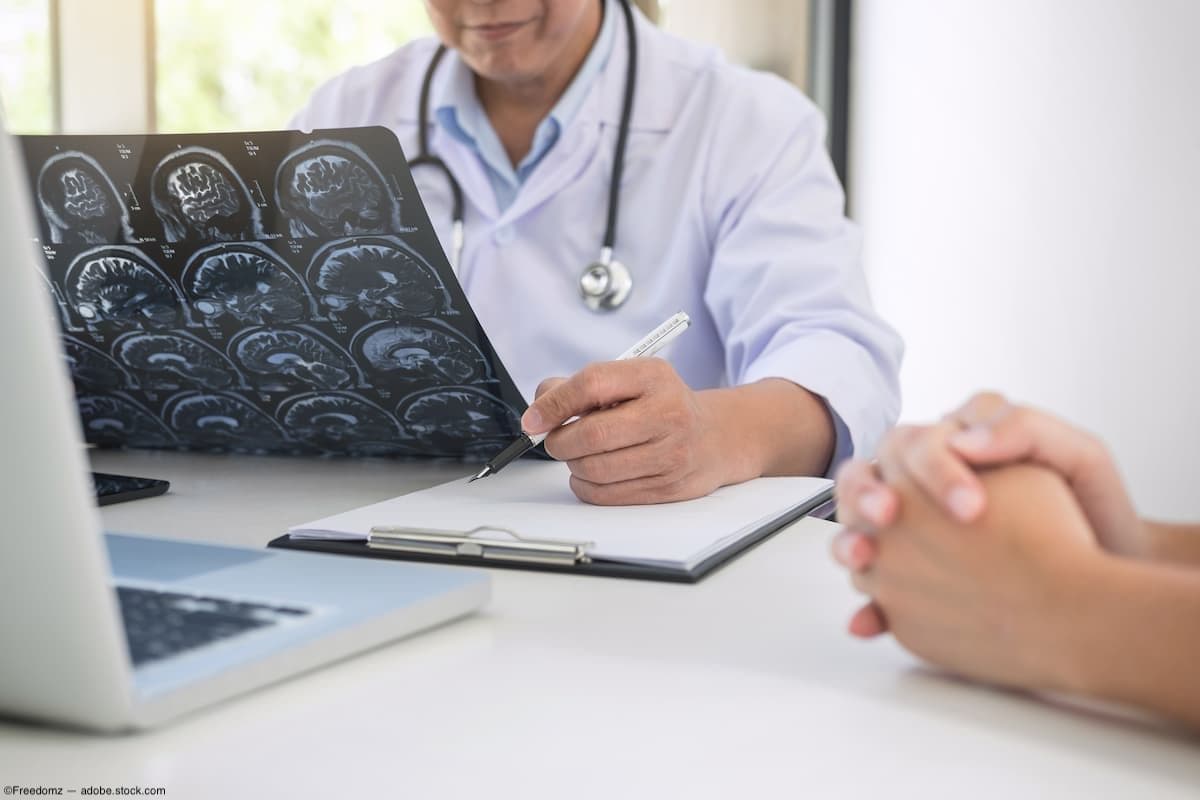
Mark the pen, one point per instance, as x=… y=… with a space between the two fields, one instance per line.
x=650 y=344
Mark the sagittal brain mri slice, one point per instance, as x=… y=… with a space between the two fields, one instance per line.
x=121 y=287
x=65 y=317
x=329 y=188
x=199 y=197
x=420 y=350
x=380 y=277
x=284 y=359
x=80 y=203
x=223 y=422
x=343 y=423
x=247 y=282
x=459 y=420
x=115 y=420
x=170 y=361
x=93 y=370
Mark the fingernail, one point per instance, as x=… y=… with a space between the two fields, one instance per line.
x=873 y=504
x=964 y=502
x=532 y=420
x=976 y=437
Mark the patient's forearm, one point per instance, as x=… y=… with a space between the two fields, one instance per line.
x=1173 y=542
x=1139 y=637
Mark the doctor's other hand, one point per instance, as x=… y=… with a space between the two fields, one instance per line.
x=989 y=431
x=643 y=435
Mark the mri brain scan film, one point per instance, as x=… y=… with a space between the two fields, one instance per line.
x=269 y=292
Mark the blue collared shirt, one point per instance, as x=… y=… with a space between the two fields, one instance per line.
x=462 y=115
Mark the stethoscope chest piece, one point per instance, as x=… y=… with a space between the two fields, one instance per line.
x=605 y=284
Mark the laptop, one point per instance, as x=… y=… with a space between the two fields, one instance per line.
x=114 y=632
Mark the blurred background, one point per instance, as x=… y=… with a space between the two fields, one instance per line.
x=1026 y=173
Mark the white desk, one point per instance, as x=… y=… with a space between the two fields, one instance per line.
x=742 y=686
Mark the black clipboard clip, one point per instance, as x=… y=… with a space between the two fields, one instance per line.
x=469 y=543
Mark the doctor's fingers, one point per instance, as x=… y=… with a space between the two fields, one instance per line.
x=864 y=501
x=546 y=386
x=604 y=430
x=924 y=455
x=595 y=386
x=641 y=491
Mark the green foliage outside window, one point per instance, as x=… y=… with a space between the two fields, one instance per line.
x=250 y=64
x=25 y=65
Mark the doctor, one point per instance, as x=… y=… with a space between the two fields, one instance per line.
x=611 y=175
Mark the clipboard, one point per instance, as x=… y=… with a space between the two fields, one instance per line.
x=505 y=549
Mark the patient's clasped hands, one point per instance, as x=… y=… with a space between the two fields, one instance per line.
x=981 y=539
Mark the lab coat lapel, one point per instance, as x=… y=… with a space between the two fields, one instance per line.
x=564 y=163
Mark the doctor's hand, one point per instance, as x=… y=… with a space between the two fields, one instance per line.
x=643 y=435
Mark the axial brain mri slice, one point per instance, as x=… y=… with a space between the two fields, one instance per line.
x=380 y=277
x=328 y=188
x=170 y=361
x=121 y=287
x=283 y=359
x=245 y=281
x=79 y=202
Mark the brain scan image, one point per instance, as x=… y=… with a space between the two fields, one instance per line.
x=92 y=370
x=343 y=423
x=420 y=350
x=223 y=422
x=331 y=188
x=199 y=197
x=119 y=286
x=247 y=282
x=380 y=277
x=170 y=361
x=80 y=203
x=284 y=359
x=459 y=421
x=65 y=317
x=114 y=420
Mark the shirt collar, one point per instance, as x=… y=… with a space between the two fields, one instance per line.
x=458 y=110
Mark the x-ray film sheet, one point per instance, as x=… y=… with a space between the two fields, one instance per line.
x=273 y=292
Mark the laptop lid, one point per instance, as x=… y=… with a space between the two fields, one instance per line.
x=62 y=654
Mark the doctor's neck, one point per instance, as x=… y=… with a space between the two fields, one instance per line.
x=518 y=88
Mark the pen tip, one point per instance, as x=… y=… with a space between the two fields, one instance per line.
x=483 y=473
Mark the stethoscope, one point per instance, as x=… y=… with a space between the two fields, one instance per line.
x=606 y=283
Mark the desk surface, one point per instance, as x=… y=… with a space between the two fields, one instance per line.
x=741 y=686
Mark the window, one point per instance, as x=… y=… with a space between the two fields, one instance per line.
x=239 y=65
x=25 y=75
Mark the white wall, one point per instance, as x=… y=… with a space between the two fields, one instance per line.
x=1028 y=177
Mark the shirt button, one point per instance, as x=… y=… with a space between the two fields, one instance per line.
x=504 y=235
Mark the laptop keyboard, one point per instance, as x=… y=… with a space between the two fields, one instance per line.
x=161 y=624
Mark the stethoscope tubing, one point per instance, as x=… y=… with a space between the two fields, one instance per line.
x=425 y=156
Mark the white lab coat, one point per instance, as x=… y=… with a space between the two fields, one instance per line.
x=730 y=211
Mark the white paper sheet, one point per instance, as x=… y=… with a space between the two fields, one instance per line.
x=533 y=499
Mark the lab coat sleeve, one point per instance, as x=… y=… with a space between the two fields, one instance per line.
x=786 y=287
